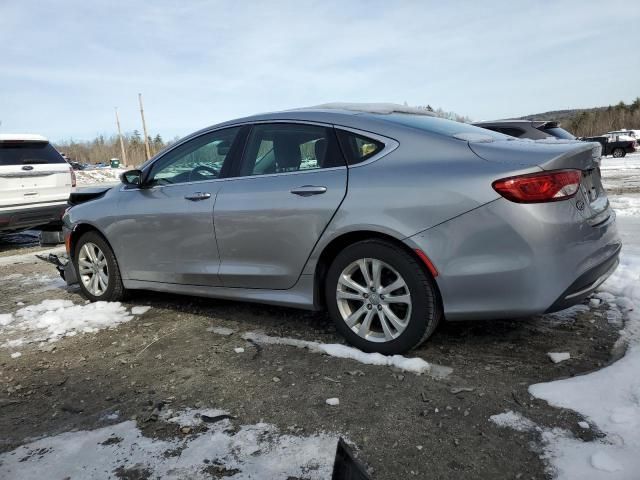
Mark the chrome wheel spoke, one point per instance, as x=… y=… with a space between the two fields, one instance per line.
x=398 y=283
x=364 y=269
x=104 y=279
x=352 y=319
x=404 y=298
x=398 y=324
x=347 y=281
x=341 y=294
x=385 y=326
x=365 y=326
x=376 y=273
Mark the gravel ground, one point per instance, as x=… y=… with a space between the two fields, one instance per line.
x=400 y=422
x=402 y=425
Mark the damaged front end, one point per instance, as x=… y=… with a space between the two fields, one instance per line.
x=63 y=265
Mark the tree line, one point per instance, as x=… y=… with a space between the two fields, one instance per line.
x=589 y=123
x=102 y=149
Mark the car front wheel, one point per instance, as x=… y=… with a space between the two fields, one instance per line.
x=97 y=269
x=619 y=153
x=381 y=298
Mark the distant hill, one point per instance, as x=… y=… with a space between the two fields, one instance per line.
x=585 y=122
x=559 y=115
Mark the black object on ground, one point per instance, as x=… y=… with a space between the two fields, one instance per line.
x=346 y=465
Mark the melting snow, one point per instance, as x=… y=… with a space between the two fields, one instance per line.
x=380 y=108
x=557 y=357
x=415 y=365
x=254 y=451
x=609 y=398
x=51 y=320
x=139 y=310
x=512 y=420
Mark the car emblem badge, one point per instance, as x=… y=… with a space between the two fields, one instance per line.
x=580 y=205
x=27 y=167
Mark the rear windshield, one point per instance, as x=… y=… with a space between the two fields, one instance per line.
x=442 y=126
x=558 y=133
x=28 y=153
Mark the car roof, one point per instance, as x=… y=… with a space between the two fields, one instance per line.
x=353 y=115
x=22 y=137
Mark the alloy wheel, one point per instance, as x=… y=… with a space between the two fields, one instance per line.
x=93 y=269
x=373 y=300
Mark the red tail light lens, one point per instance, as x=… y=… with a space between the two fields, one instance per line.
x=540 y=187
x=73 y=177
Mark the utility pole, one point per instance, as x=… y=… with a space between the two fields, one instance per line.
x=124 y=153
x=144 y=128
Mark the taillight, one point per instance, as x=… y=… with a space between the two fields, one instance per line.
x=73 y=177
x=540 y=187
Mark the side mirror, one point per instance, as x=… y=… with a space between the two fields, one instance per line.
x=131 y=177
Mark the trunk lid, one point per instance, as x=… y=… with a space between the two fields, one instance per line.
x=551 y=154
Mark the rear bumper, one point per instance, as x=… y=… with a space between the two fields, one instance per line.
x=586 y=284
x=14 y=219
x=506 y=260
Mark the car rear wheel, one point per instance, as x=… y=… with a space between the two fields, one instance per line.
x=381 y=298
x=619 y=153
x=97 y=269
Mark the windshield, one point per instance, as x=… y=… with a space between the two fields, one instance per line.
x=459 y=130
x=558 y=133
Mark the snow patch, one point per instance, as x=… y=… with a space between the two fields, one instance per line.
x=415 y=365
x=609 y=398
x=51 y=320
x=557 y=357
x=513 y=420
x=140 y=310
x=380 y=108
x=224 y=331
x=254 y=451
x=16 y=355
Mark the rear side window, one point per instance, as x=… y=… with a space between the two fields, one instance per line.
x=288 y=147
x=358 y=148
x=28 y=153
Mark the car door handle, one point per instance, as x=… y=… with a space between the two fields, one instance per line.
x=308 y=190
x=198 y=196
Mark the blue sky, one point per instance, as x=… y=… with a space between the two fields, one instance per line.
x=67 y=64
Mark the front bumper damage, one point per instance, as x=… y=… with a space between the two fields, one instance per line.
x=64 y=267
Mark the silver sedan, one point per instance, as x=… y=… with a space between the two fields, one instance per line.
x=391 y=219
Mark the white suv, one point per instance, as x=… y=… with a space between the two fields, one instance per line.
x=35 y=182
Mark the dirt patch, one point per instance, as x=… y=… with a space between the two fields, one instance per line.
x=402 y=424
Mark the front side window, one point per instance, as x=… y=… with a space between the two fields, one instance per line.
x=358 y=148
x=197 y=160
x=285 y=147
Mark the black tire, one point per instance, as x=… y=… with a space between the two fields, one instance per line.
x=115 y=290
x=619 y=153
x=426 y=310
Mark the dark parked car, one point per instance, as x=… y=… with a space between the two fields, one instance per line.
x=532 y=129
x=617 y=148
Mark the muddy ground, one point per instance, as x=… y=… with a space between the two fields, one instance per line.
x=402 y=424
